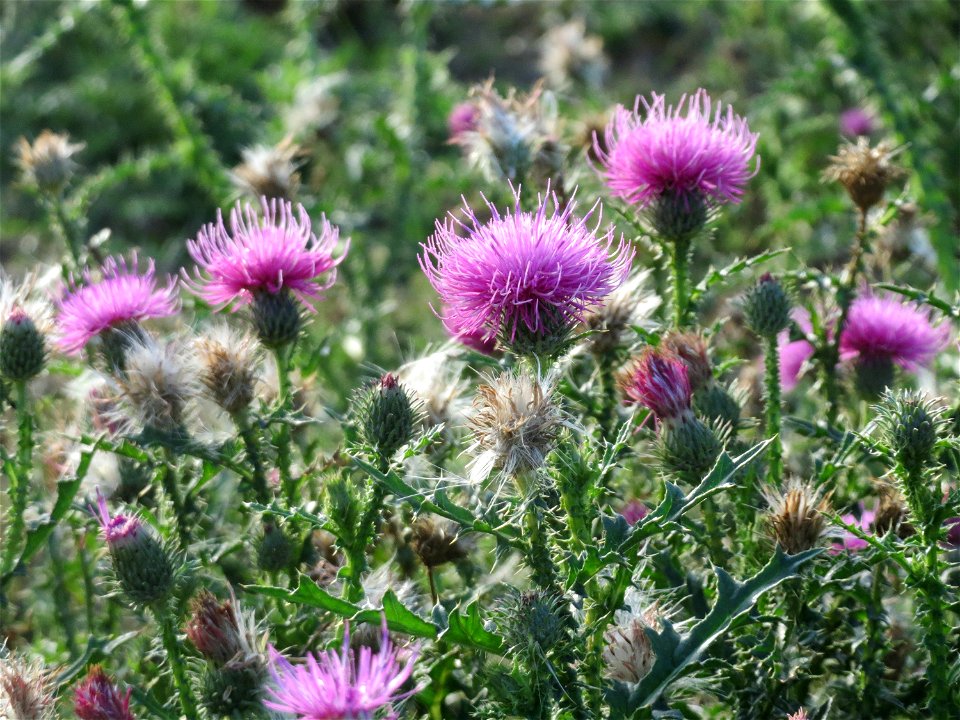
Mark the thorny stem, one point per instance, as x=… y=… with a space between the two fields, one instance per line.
x=283 y=434
x=89 y=592
x=252 y=447
x=172 y=647
x=772 y=410
x=61 y=594
x=542 y=568
x=369 y=526
x=932 y=607
x=608 y=389
x=169 y=479
x=681 y=261
x=19 y=486
x=845 y=296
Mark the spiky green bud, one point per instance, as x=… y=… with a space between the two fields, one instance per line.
x=688 y=447
x=233 y=690
x=767 y=307
x=533 y=621
x=386 y=416
x=143 y=567
x=277 y=318
x=715 y=403
x=275 y=551
x=22 y=348
x=911 y=425
x=678 y=218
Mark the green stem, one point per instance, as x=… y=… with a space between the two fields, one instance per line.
x=61 y=595
x=681 y=262
x=171 y=488
x=542 y=568
x=287 y=482
x=772 y=407
x=252 y=446
x=367 y=531
x=932 y=608
x=89 y=592
x=19 y=487
x=608 y=389
x=172 y=647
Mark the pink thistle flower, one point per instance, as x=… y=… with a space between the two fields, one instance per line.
x=883 y=328
x=953 y=532
x=522 y=272
x=658 y=381
x=849 y=541
x=332 y=686
x=793 y=354
x=264 y=252
x=462 y=119
x=123 y=295
x=856 y=121
x=118 y=530
x=634 y=511
x=97 y=698
x=704 y=152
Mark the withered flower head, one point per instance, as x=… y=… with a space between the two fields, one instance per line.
x=222 y=633
x=628 y=653
x=157 y=384
x=864 y=171
x=269 y=171
x=796 y=515
x=47 y=162
x=892 y=513
x=691 y=349
x=229 y=363
x=26 y=689
x=437 y=541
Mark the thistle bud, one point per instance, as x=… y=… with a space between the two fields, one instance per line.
x=437 y=542
x=532 y=621
x=767 y=307
x=678 y=218
x=26 y=690
x=691 y=349
x=48 y=161
x=864 y=171
x=892 y=514
x=277 y=318
x=462 y=119
x=97 y=698
x=213 y=628
x=796 y=516
x=275 y=550
x=387 y=418
x=660 y=382
x=688 y=448
x=143 y=567
x=233 y=690
x=228 y=363
x=22 y=348
x=911 y=425
x=717 y=404
x=634 y=511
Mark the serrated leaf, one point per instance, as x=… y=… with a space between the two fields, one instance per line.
x=468 y=629
x=735 y=268
x=924 y=298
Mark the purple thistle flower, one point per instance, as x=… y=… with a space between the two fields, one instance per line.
x=119 y=530
x=522 y=271
x=793 y=354
x=856 y=121
x=463 y=118
x=659 y=381
x=953 y=532
x=333 y=687
x=634 y=511
x=97 y=698
x=849 y=541
x=883 y=328
x=705 y=152
x=122 y=295
x=263 y=253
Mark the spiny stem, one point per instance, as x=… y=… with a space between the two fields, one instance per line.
x=283 y=434
x=172 y=647
x=932 y=608
x=772 y=407
x=61 y=594
x=608 y=389
x=252 y=447
x=170 y=487
x=681 y=261
x=19 y=487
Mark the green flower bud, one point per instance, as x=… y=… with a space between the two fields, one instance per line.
x=275 y=551
x=688 y=447
x=532 y=622
x=911 y=425
x=233 y=690
x=678 y=218
x=277 y=318
x=715 y=403
x=22 y=348
x=387 y=418
x=767 y=307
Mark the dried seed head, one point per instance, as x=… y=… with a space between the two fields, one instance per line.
x=892 y=513
x=864 y=171
x=691 y=349
x=157 y=384
x=437 y=541
x=436 y=382
x=630 y=305
x=26 y=689
x=269 y=171
x=796 y=517
x=515 y=425
x=229 y=363
x=47 y=162
x=628 y=652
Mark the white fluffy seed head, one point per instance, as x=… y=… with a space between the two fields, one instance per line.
x=436 y=379
x=158 y=383
x=628 y=652
x=26 y=689
x=229 y=366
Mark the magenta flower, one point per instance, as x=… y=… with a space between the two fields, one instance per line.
x=658 y=381
x=705 y=151
x=334 y=687
x=883 y=328
x=849 y=541
x=263 y=253
x=529 y=272
x=953 y=532
x=463 y=118
x=634 y=511
x=856 y=121
x=794 y=354
x=96 y=698
x=119 y=530
x=122 y=295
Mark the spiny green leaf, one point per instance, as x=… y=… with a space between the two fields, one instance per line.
x=735 y=268
x=468 y=629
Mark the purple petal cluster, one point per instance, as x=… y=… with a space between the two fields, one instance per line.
x=331 y=686
x=118 y=529
x=97 y=698
x=264 y=252
x=122 y=295
x=522 y=270
x=694 y=147
x=793 y=354
x=849 y=541
x=659 y=381
x=856 y=121
x=462 y=119
x=880 y=327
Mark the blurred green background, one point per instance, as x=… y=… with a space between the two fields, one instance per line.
x=166 y=95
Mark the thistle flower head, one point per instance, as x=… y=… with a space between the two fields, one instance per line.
x=229 y=366
x=331 y=686
x=26 y=689
x=767 y=307
x=692 y=151
x=532 y=622
x=158 y=383
x=864 y=171
x=387 y=415
x=796 y=515
x=911 y=424
x=856 y=121
x=628 y=306
x=118 y=530
x=634 y=511
x=794 y=353
x=526 y=277
x=97 y=698
x=47 y=162
x=850 y=542
x=515 y=425
x=881 y=328
x=513 y=136
x=800 y=714
x=691 y=349
x=437 y=541
x=23 y=349
x=267 y=253
x=122 y=297
x=659 y=381
x=222 y=633
x=268 y=170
